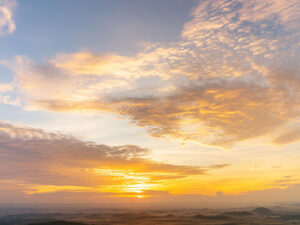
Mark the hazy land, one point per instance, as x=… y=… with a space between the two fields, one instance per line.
x=288 y=214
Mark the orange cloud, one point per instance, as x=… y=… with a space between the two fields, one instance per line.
x=89 y=64
x=290 y=136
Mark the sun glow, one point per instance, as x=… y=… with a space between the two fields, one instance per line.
x=132 y=184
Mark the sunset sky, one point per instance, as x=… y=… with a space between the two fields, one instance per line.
x=149 y=101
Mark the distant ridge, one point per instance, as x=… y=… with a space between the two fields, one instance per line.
x=262 y=210
x=238 y=213
x=211 y=217
x=58 y=223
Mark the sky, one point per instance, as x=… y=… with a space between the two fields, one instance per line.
x=127 y=101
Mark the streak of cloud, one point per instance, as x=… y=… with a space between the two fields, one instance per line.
x=290 y=136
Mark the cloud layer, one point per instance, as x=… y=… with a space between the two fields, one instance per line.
x=46 y=167
x=233 y=76
x=38 y=162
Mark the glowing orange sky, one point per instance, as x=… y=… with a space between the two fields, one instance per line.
x=212 y=113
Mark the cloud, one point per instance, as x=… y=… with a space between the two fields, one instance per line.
x=4 y=87
x=37 y=162
x=7 y=24
x=8 y=100
x=44 y=167
x=85 y=63
x=234 y=75
x=5 y=98
x=290 y=136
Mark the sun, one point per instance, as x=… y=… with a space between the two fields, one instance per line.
x=140 y=196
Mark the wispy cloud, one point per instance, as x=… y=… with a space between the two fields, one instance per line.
x=289 y=136
x=7 y=24
x=5 y=97
x=234 y=75
x=5 y=87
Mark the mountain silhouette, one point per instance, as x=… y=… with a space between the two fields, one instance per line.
x=262 y=210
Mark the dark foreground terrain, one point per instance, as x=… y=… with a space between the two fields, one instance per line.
x=259 y=216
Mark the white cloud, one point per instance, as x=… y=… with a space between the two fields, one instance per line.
x=6 y=87
x=7 y=24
